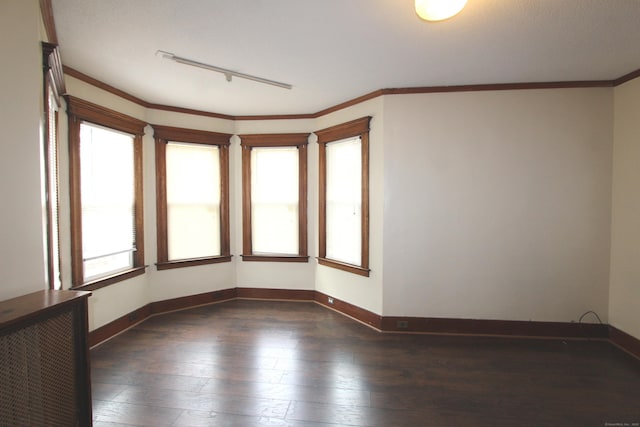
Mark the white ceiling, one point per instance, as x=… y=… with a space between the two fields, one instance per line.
x=332 y=51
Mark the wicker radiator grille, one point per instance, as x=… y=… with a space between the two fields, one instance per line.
x=38 y=369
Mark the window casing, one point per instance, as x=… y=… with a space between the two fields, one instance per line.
x=344 y=196
x=105 y=173
x=274 y=197
x=192 y=209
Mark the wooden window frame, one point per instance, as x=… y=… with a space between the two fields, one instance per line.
x=299 y=140
x=163 y=135
x=78 y=111
x=53 y=83
x=354 y=128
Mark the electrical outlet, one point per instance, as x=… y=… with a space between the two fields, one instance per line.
x=402 y=324
x=330 y=300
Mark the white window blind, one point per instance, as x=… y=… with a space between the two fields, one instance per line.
x=52 y=190
x=193 y=200
x=107 y=195
x=274 y=200
x=344 y=201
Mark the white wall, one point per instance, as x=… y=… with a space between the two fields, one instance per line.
x=497 y=204
x=22 y=266
x=624 y=297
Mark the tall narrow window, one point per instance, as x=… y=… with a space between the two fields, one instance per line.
x=344 y=196
x=52 y=183
x=192 y=171
x=106 y=195
x=53 y=85
x=274 y=197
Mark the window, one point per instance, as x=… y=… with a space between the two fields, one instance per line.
x=107 y=240
x=192 y=193
x=52 y=185
x=344 y=196
x=53 y=85
x=274 y=202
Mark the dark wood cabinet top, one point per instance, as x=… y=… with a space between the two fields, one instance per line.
x=27 y=306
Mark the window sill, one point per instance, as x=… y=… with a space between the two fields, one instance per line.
x=276 y=258
x=168 y=265
x=110 y=280
x=344 y=266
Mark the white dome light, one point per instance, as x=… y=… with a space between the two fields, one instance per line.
x=438 y=10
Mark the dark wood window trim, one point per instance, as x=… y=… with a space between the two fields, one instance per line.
x=358 y=127
x=276 y=258
x=79 y=111
x=192 y=262
x=163 y=135
x=299 y=140
x=54 y=84
x=52 y=67
x=111 y=279
x=344 y=266
x=46 y=10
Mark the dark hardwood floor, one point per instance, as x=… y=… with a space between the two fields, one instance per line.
x=271 y=363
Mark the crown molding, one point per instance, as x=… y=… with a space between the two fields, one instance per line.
x=380 y=92
x=125 y=95
x=499 y=86
x=627 y=77
x=46 y=10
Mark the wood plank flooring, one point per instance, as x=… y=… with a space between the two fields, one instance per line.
x=272 y=363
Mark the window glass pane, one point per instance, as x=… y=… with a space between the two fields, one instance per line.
x=274 y=200
x=107 y=194
x=105 y=265
x=193 y=200
x=344 y=201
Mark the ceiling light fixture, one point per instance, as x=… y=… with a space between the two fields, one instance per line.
x=438 y=10
x=229 y=74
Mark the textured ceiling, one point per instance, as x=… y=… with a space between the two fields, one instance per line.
x=332 y=51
